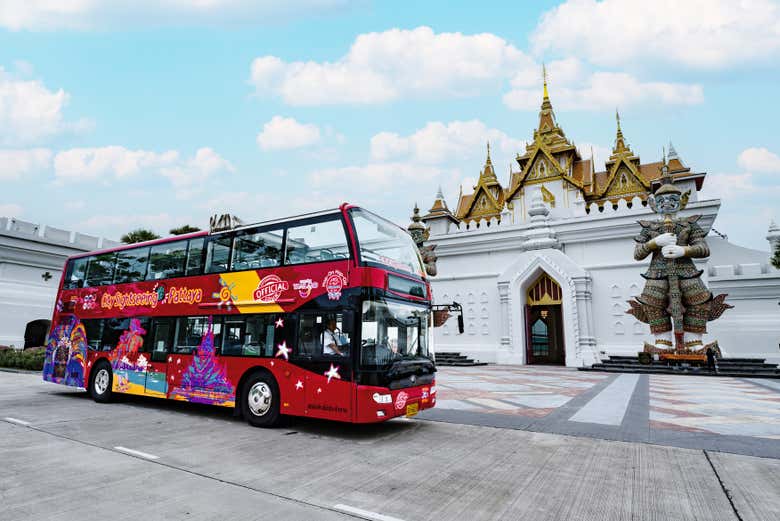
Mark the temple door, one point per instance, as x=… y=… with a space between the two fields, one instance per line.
x=544 y=323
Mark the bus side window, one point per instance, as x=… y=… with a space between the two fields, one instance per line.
x=315 y=335
x=112 y=331
x=94 y=331
x=100 y=271
x=218 y=254
x=191 y=330
x=316 y=242
x=75 y=273
x=254 y=250
x=131 y=265
x=255 y=335
x=195 y=257
x=162 y=338
x=167 y=260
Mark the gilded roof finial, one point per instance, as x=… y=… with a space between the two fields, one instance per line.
x=544 y=78
x=488 y=151
x=617 y=118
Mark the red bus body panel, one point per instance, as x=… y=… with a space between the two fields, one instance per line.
x=204 y=376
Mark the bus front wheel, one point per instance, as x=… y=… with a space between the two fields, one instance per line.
x=260 y=400
x=100 y=386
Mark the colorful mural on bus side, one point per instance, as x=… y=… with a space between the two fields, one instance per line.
x=205 y=380
x=66 y=351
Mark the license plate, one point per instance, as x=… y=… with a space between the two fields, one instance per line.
x=412 y=409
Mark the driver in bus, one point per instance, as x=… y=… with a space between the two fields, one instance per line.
x=331 y=336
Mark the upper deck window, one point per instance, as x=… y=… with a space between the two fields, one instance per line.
x=101 y=269
x=218 y=254
x=76 y=273
x=254 y=250
x=316 y=242
x=167 y=260
x=384 y=243
x=131 y=265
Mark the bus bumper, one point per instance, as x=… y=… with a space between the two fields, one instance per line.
x=378 y=404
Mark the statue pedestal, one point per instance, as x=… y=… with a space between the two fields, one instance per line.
x=675 y=358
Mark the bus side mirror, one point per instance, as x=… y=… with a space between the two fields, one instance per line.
x=460 y=324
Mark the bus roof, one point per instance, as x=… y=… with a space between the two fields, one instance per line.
x=203 y=233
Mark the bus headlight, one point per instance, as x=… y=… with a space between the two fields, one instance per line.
x=383 y=398
x=433 y=389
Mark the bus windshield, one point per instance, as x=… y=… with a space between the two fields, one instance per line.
x=392 y=331
x=385 y=243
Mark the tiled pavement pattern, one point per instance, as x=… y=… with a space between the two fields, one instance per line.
x=726 y=414
x=714 y=405
x=524 y=391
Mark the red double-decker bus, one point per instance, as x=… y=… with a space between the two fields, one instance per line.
x=324 y=315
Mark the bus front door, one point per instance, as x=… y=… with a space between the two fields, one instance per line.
x=328 y=384
x=162 y=341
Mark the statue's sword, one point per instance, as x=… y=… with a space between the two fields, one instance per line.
x=676 y=309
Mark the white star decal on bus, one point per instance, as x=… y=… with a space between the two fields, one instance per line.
x=283 y=351
x=279 y=322
x=299 y=385
x=333 y=372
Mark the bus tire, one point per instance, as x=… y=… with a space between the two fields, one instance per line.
x=101 y=382
x=260 y=400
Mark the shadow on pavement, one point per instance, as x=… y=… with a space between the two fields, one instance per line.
x=290 y=425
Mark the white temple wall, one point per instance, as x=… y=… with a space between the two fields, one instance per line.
x=479 y=298
x=601 y=245
x=752 y=328
x=32 y=257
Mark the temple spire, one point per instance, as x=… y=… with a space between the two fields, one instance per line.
x=488 y=174
x=620 y=142
x=547 y=121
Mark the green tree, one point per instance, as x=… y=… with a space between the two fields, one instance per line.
x=139 y=235
x=181 y=230
x=776 y=258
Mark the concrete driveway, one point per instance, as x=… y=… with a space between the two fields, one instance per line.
x=66 y=457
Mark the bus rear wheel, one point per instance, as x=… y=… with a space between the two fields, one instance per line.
x=260 y=400
x=101 y=381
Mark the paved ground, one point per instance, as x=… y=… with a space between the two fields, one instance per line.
x=723 y=414
x=65 y=457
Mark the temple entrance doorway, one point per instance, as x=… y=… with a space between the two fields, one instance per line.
x=544 y=323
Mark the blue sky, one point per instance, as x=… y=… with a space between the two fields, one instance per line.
x=125 y=114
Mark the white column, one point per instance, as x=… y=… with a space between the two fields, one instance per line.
x=503 y=299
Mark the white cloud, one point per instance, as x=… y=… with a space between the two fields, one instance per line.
x=29 y=111
x=698 y=33
x=187 y=175
x=100 y=14
x=382 y=67
x=285 y=133
x=759 y=160
x=373 y=177
x=729 y=186
x=603 y=90
x=81 y=164
x=10 y=210
x=438 y=142
x=190 y=173
x=15 y=164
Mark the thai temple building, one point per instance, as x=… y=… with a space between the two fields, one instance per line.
x=543 y=265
